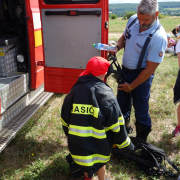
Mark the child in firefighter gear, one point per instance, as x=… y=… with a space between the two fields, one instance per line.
x=92 y=120
x=176 y=131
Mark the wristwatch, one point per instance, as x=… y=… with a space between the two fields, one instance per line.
x=118 y=47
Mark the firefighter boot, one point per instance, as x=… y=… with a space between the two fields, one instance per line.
x=142 y=131
x=129 y=129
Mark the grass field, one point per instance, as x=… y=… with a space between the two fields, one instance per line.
x=38 y=152
x=169 y=22
x=172 y=9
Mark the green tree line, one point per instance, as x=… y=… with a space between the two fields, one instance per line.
x=164 y=7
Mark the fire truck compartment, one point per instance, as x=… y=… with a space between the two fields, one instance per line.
x=11 y=89
x=8 y=65
x=68 y=40
x=13 y=39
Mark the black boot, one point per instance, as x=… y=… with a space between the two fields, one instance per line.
x=129 y=129
x=142 y=131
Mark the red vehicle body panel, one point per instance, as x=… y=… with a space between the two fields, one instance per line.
x=36 y=53
x=61 y=80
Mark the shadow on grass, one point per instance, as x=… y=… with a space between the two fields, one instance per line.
x=19 y=157
x=168 y=143
x=23 y=152
x=57 y=170
x=32 y=122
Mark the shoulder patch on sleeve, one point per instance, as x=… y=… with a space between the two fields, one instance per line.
x=161 y=54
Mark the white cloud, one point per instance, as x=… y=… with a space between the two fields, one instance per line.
x=137 y=1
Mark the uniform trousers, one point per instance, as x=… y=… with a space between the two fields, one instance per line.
x=177 y=89
x=138 y=97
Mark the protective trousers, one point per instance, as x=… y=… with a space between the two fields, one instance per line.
x=139 y=98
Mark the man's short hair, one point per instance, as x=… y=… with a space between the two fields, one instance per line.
x=148 y=7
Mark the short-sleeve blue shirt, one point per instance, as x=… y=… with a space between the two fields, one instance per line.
x=155 y=50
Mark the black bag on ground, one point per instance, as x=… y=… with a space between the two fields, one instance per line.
x=149 y=158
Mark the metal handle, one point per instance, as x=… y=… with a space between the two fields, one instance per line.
x=72 y=13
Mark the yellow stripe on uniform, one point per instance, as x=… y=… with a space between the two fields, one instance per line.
x=85 y=110
x=87 y=132
x=90 y=160
x=64 y=123
x=124 y=144
x=121 y=120
x=114 y=127
x=38 y=38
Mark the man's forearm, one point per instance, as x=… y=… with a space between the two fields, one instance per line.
x=144 y=75
x=120 y=42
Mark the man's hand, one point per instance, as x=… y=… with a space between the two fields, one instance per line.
x=142 y=77
x=125 y=87
x=113 y=52
x=119 y=45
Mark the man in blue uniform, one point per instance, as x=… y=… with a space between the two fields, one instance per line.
x=145 y=41
x=92 y=121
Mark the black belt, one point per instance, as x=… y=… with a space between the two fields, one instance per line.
x=133 y=70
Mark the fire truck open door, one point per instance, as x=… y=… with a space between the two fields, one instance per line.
x=35 y=43
x=69 y=30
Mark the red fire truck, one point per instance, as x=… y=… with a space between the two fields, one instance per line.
x=44 y=46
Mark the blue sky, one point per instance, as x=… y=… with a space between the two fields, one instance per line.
x=136 y=1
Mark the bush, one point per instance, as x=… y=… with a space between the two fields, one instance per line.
x=129 y=14
x=113 y=16
x=124 y=17
x=160 y=16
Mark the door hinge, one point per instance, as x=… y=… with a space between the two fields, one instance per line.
x=106 y=24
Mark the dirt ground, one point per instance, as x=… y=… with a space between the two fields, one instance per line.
x=114 y=35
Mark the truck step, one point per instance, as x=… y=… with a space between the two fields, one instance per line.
x=8 y=132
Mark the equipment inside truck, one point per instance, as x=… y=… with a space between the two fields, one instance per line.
x=13 y=33
x=14 y=81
